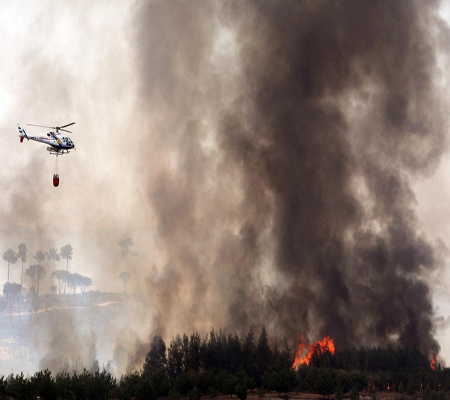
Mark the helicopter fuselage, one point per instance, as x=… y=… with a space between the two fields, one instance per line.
x=56 y=140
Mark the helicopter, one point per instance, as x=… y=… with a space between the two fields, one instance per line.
x=59 y=144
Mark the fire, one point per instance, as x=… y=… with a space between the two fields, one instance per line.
x=326 y=344
x=433 y=363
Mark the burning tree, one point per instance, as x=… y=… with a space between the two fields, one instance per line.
x=22 y=255
x=10 y=257
x=315 y=351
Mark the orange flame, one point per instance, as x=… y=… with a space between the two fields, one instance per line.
x=388 y=387
x=433 y=363
x=326 y=344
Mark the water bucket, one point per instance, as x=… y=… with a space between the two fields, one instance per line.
x=55 y=180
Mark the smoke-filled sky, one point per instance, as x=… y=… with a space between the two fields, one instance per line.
x=277 y=163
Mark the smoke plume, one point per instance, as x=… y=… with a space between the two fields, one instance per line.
x=290 y=137
x=263 y=157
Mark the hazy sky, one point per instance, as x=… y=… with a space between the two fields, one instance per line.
x=79 y=62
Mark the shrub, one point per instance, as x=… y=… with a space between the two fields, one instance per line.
x=339 y=392
x=229 y=384
x=174 y=395
x=42 y=385
x=241 y=391
x=18 y=387
x=194 y=394
x=354 y=394
x=146 y=390
x=213 y=392
x=128 y=386
x=261 y=392
x=183 y=383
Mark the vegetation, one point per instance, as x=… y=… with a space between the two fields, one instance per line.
x=66 y=253
x=35 y=272
x=53 y=255
x=10 y=290
x=22 y=255
x=10 y=257
x=192 y=367
x=74 y=281
x=39 y=257
x=126 y=246
x=124 y=276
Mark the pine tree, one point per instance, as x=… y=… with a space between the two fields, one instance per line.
x=156 y=360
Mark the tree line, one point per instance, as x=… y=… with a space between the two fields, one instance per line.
x=219 y=363
x=11 y=257
x=36 y=273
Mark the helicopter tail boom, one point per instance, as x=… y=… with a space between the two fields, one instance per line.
x=22 y=134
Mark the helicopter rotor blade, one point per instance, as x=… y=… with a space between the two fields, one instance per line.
x=58 y=128
x=64 y=126
x=43 y=126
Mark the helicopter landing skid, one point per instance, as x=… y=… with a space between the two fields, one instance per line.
x=57 y=152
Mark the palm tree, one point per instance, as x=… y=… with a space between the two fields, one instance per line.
x=53 y=255
x=40 y=274
x=124 y=276
x=66 y=252
x=126 y=246
x=10 y=257
x=39 y=256
x=17 y=289
x=35 y=272
x=22 y=254
x=7 y=292
x=31 y=271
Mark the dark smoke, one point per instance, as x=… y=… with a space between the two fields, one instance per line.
x=288 y=165
x=310 y=62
